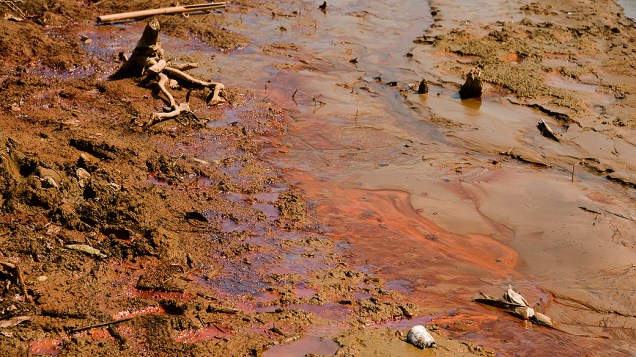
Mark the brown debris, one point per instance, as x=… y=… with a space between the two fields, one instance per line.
x=473 y=86
x=148 y=60
x=515 y=304
x=423 y=87
x=547 y=131
x=17 y=274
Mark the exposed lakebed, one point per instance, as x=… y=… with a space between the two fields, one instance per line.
x=328 y=206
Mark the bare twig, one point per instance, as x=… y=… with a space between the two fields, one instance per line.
x=80 y=329
x=21 y=284
x=162 y=11
x=218 y=328
x=163 y=80
x=12 y=5
x=19 y=279
x=315 y=100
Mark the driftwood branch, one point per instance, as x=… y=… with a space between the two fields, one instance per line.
x=162 y=11
x=147 y=62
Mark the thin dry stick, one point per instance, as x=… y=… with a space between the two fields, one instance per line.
x=21 y=284
x=315 y=100
x=12 y=5
x=19 y=279
x=80 y=329
x=218 y=328
x=162 y=11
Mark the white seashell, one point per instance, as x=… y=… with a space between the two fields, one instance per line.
x=541 y=319
x=524 y=311
x=419 y=337
x=514 y=297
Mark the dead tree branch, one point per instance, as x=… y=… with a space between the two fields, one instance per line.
x=148 y=61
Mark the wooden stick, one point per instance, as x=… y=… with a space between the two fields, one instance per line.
x=19 y=279
x=216 y=87
x=80 y=329
x=162 y=11
x=163 y=80
x=22 y=285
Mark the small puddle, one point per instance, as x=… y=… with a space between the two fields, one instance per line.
x=46 y=348
x=205 y=333
x=310 y=345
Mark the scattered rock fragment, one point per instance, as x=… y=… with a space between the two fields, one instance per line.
x=423 y=87
x=14 y=321
x=473 y=86
x=541 y=319
x=514 y=297
x=49 y=178
x=82 y=177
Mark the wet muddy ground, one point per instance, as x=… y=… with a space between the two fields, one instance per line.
x=325 y=207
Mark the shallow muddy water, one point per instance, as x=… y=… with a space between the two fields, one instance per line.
x=421 y=192
x=630 y=8
x=418 y=189
x=428 y=201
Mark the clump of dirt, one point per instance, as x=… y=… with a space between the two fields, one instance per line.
x=292 y=208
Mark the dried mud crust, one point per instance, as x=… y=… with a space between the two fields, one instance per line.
x=175 y=231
